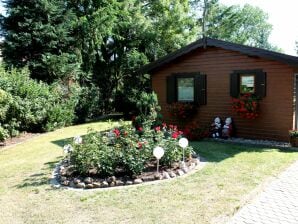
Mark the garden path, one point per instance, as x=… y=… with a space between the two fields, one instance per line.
x=278 y=203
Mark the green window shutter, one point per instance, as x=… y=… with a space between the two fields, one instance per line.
x=234 y=85
x=200 y=89
x=171 y=89
x=260 y=82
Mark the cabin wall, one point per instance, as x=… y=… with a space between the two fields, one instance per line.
x=276 y=109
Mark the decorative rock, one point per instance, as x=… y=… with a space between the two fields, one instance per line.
x=76 y=180
x=148 y=178
x=180 y=172
x=112 y=184
x=88 y=180
x=104 y=184
x=166 y=175
x=80 y=185
x=185 y=169
x=111 y=179
x=129 y=182
x=172 y=174
x=63 y=178
x=137 y=181
x=65 y=183
x=158 y=176
x=89 y=186
x=71 y=184
x=197 y=161
x=62 y=173
x=96 y=184
x=119 y=183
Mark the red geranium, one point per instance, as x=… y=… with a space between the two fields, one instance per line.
x=247 y=106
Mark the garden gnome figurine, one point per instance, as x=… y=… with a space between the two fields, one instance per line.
x=227 y=129
x=216 y=128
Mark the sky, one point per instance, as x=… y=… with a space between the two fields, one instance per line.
x=282 y=15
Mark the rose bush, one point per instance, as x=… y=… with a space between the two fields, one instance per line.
x=125 y=149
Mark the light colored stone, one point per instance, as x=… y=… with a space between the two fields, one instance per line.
x=104 y=184
x=88 y=180
x=185 y=169
x=172 y=174
x=76 y=180
x=96 y=184
x=129 y=182
x=89 y=186
x=65 y=183
x=111 y=179
x=157 y=176
x=166 y=175
x=137 y=181
x=80 y=185
x=119 y=183
x=180 y=172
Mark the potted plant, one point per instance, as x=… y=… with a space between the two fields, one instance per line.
x=293 y=137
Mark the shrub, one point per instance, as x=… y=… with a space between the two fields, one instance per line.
x=3 y=134
x=126 y=149
x=33 y=106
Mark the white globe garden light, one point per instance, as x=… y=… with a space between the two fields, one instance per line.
x=158 y=152
x=183 y=143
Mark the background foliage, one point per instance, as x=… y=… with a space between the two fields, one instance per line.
x=99 y=44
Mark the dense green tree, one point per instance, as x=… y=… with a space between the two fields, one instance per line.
x=37 y=35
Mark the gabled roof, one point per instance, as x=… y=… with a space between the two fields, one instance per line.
x=209 y=42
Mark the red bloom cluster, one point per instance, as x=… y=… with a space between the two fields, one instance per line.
x=181 y=110
x=195 y=132
x=117 y=132
x=247 y=106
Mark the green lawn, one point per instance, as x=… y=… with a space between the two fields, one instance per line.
x=207 y=196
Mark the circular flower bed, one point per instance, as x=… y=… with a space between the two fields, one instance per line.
x=124 y=156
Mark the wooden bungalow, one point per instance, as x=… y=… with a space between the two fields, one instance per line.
x=209 y=72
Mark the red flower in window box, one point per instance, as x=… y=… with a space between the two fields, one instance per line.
x=247 y=106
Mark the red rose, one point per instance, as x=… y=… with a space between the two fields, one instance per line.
x=157 y=128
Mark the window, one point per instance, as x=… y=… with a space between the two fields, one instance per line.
x=185 y=89
x=248 y=81
x=247 y=84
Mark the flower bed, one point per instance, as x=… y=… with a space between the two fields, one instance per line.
x=123 y=156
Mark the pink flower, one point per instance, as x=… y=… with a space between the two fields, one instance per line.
x=117 y=132
x=157 y=128
x=175 y=135
x=140 y=129
x=140 y=145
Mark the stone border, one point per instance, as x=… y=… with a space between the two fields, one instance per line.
x=255 y=142
x=55 y=183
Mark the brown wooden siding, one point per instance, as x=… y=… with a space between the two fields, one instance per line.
x=276 y=108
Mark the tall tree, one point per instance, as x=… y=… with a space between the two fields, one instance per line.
x=245 y=25
x=37 y=34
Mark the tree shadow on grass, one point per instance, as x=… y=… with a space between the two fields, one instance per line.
x=41 y=178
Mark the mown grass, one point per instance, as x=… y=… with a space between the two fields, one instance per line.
x=207 y=196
